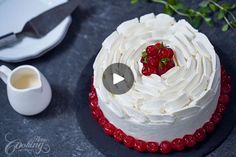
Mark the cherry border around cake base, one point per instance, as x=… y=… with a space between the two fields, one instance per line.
x=111 y=148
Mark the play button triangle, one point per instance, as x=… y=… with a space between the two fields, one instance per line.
x=117 y=78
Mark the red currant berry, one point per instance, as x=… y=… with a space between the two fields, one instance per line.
x=102 y=121
x=109 y=129
x=92 y=96
x=189 y=141
x=223 y=71
x=170 y=53
x=165 y=147
x=224 y=99
x=178 y=144
x=226 y=89
x=200 y=134
x=142 y=60
x=151 y=50
x=146 y=71
x=209 y=127
x=152 y=61
x=93 y=104
x=216 y=118
x=162 y=70
x=119 y=135
x=129 y=141
x=97 y=113
x=170 y=64
x=92 y=88
x=163 y=53
x=140 y=145
x=220 y=108
x=158 y=44
x=152 y=147
x=226 y=79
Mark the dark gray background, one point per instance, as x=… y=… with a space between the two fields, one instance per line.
x=92 y=22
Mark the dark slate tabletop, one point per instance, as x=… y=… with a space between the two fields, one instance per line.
x=57 y=128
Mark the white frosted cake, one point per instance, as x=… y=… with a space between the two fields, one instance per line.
x=172 y=105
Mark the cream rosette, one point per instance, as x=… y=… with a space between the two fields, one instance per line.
x=189 y=89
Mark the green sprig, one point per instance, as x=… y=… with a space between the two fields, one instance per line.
x=205 y=12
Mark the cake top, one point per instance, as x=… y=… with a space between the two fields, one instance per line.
x=178 y=92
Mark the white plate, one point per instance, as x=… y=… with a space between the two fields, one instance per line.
x=14 y=14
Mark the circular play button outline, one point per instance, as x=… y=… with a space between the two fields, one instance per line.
x=112 y=78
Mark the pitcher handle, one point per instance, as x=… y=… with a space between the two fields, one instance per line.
x=4 y=73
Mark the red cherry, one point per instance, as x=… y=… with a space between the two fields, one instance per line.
x=189 y=141
x=152 y=147
x=178 y=144
x=140 y=145
x=165 y=147
x=102 y=121
x=224 y=99
x=226 y=89
x=97 y=113
x=119 y=135
x=209 y=127
x=151 y=50
x=216 y=118
x=220 y=108
x=200 y=134
x=109 y=129
x=129 y=141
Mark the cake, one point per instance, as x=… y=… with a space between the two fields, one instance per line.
x=164 y=110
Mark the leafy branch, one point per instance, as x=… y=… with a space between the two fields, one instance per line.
x=206 y=11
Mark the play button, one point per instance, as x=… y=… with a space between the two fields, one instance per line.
x=118 y=78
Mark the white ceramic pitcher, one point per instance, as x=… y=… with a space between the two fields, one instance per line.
x=28 y=91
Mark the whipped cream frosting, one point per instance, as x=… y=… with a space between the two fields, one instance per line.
x=167 y=106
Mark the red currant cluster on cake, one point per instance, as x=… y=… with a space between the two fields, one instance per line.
x=157 y=59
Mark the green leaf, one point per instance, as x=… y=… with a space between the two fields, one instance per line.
x=221 y=15
x=165 y=60
x=209 y=21
x=168 y=10
x=213 y=7
x=171 y=2
x=134 y=1
x=228 y=6
x=196 y=21
x=233 y=23
x=225 y=28
x=144 y=54
x=205 y=10
x=179 y=6
x=204 y=3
